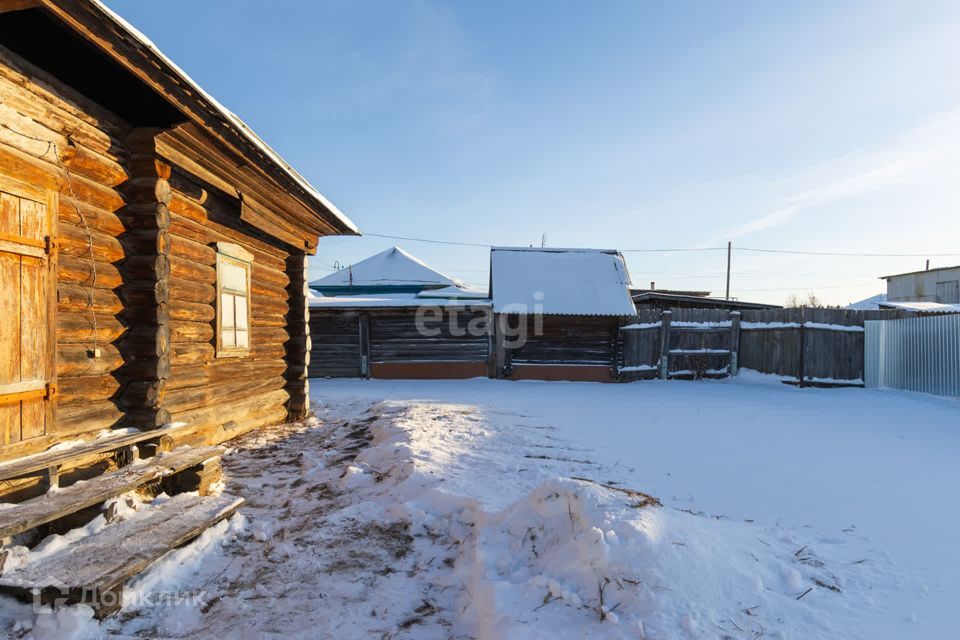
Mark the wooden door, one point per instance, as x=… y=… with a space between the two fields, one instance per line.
x=27 y=312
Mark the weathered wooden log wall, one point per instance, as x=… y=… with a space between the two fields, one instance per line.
x=203 y=389
x=395 y=336
x=136 y=278
x=392 y=336
x=335 y=339
x=574 y=340
x=56 y=139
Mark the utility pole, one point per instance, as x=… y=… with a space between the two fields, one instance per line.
x=543 y=240
x=729 y=251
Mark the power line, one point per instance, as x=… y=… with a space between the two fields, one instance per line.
x=849 y=255
x=843 y=254
x=461 y=244
x=830 y=286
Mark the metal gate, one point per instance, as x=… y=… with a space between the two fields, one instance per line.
x=914 y=354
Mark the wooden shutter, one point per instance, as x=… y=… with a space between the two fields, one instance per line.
x=27 y=312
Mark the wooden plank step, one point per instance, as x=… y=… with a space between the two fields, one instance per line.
x=53 y=505
x=39 y=462
x=94 y=569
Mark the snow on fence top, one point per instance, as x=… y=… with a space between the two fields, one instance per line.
x=393 y=267
x=586 y=282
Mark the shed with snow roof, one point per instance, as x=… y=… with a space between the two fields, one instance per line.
x=558 y=312
x=393 y=316
x=388 y=272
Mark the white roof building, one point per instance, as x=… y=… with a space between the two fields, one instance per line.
x=588 y=282
x=390 y=271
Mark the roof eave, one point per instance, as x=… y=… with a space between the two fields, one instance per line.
x=196 y=104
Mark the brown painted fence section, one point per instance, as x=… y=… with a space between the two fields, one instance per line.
x=804 y=346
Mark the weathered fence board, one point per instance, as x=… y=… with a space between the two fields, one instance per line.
x=802 y=346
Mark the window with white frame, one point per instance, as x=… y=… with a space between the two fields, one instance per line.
x=233 y=300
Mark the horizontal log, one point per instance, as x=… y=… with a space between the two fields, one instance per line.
x=190 y=270
x=38 y=95
x=141 y=241
x=74 y=298
x=146 y=341
x=75 y=241
x=46 y=175
x=76 y=389
x=146 y=292
x=184 y=206
x=81 y=271
x=146 y=268
x=85 y=417
x=191 y=311
x=143 y=162
x=238 y=390
x=147 y=418
x=191 y=353
x=138 y=395
x=184 y=376
x=269 y=320
x=145 y=215
x=235 y=411
x=75 y=360
x=77 y=213
x=263 y=306
x=269 y=275
x=181 y=331
x=261 y=289
x=90 y=164
x=268 y=351
x=210 y=231
x=86 y=328
x=189 y=291
x=269 y=335
x=26 y=134
x=188 y=249
x=147 y=189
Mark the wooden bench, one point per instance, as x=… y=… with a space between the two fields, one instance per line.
x=48 y=463
x=93 y=570
x=54 y=505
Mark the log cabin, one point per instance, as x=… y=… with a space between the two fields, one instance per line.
x=153 y=295
x=153 y=249
x=558 y=312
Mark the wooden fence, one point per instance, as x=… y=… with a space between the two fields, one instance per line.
x=821 y=347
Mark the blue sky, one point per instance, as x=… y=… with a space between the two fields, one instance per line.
x=825 y=126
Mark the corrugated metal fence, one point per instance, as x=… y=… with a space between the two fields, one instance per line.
x=915 y=354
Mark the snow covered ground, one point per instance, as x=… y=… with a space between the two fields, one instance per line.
x=484 y=509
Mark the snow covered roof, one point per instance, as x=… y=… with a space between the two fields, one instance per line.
x=227 y=115
x=455 y=292
x=390 y=301
x=590 y=282
x=393 y=267
x=868 y=304
x=927 y=307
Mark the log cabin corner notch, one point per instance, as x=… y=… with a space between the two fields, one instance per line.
x=150 y=186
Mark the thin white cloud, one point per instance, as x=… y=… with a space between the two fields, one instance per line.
x=909 y=157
